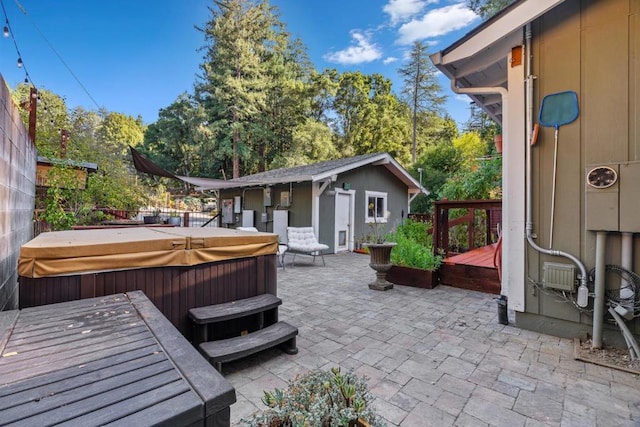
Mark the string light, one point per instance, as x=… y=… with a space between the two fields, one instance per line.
x=20 y=63
x=5 y=31
x=53 y=49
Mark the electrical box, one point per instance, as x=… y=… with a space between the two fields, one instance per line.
x=284 y=199
x=266 y=196
x=227 y=211
x=264 y=217
x=237 y=204
x=559 y=276
x=280 y=224
x=248 y=218
x=612 y=202
x=602 y=200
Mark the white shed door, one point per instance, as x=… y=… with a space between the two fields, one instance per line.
x=343 y=221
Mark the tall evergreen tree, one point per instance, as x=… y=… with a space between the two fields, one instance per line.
x=234 y=79
x=421 y=89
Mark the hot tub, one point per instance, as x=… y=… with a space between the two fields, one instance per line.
x=176 y=268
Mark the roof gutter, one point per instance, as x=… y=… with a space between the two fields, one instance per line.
x=504 y=93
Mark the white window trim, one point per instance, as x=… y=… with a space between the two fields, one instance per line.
x=378 y=194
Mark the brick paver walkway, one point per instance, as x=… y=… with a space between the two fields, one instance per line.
x=433 y=357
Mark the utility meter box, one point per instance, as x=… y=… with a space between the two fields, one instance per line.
x=284 y=199
x=227 y=211
x=266 y=196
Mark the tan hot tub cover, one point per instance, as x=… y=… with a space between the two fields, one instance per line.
x=80 y=251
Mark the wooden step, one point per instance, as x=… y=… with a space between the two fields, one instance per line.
x=229 y=349
x=234 y=309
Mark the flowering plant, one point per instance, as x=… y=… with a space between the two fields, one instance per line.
x=377 y=234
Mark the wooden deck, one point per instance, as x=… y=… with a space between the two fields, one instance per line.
x=114 y=359
x=472 y=270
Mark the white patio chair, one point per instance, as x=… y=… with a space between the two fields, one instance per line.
x=302 y=240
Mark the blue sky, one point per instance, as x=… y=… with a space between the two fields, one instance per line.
x=136 y=56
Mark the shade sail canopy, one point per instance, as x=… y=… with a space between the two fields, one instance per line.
x=79 y=251
x=145 y=165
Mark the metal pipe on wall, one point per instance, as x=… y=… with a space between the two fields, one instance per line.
x=583 y=289
x=599 y=286
x=626 y=260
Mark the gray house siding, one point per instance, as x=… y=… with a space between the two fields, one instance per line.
x=592 y=48
x=376 y=178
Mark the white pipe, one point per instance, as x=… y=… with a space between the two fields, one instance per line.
x=628 y=336
x=529 y=180
x=599 y=285
x=627 y=295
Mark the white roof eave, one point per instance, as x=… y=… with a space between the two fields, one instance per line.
x=512 y=20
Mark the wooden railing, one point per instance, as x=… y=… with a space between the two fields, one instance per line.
x=441 y=223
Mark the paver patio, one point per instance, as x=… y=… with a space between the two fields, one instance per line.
x=434 y=357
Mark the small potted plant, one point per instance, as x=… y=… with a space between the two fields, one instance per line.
x=379 y=252
x=154 y=218
x=174 y=218
x=319 y=398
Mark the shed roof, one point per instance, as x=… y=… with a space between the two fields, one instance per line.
x=479 y=59
x=318 y=172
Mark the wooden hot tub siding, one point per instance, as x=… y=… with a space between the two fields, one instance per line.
x=173 y=290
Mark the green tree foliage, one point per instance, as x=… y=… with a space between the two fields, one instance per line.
x=471 y=147
x=313 y=143
x=116 y=133
x=480 y=176
x=97 y=137
x=487 y=8
x=52 y=116
x=179 y=141
x=421 y=89
x=483 y=182
x=438 y=163
x=369 y=117
x=234 y=87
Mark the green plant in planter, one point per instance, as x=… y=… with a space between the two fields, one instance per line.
x=413 y=248
x=318 y=398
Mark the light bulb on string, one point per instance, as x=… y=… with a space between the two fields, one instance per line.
x=5 y=32
x=20 y=62
x=26 y=80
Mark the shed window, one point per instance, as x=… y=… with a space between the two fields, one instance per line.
x=376 y=207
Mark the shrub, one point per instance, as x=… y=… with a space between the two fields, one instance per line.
x=318 y=398
x=414 y=246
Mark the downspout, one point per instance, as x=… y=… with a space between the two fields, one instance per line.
x=504 y=94
x=627 y=294
x=583 y=290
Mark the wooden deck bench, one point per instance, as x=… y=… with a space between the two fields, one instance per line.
x=230 y=349
x=263 y=331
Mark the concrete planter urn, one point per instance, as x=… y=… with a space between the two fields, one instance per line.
x=380 y=261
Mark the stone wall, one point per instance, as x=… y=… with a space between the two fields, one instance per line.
x=18 y=160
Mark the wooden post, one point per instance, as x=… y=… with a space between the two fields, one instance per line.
x=33 y=104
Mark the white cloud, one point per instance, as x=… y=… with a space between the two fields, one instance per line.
x=402 y=10
x=436 y=22
x=361 y=50
x=389 y=60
